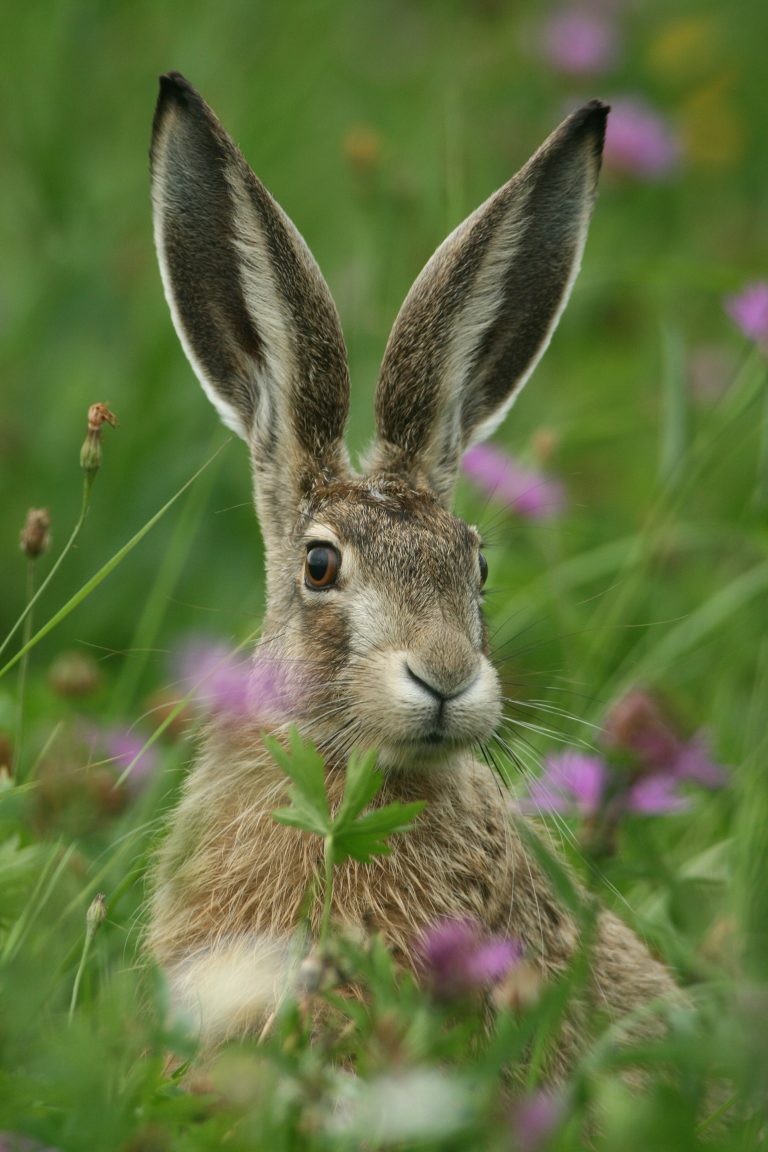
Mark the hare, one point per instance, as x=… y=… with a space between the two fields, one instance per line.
x=374 y=588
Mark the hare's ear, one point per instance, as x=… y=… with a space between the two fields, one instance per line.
x=483 y=310
x=249 y=303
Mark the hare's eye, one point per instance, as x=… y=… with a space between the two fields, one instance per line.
x=321 y=566
x=483 y=569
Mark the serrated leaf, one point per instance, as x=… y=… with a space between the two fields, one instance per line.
x=304 y=765
x=366 y=836
x=298 y=818
x=362 y=783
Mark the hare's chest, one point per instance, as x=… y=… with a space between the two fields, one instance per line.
x=457 y=862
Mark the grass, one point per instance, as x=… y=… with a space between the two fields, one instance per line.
x=378 y=127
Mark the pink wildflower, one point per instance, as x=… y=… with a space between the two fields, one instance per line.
x=531 y=494
x=457 y=960
x=535 y=1119
x=749 y=311
x=660 y=762
x=123 y=747
x=579 y=41
x=227 y=683
x=654 y=796
x=637 y=724
x=570 y=782
x=639 y=142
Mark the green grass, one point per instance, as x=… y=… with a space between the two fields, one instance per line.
x=656 y=575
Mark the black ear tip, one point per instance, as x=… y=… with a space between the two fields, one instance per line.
x=175 y=88
x=592 y=115
x=590 y=120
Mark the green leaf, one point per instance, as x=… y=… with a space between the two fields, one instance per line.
x=299 y=817
x=362 y=783
x=366 y=835
x=304 y=765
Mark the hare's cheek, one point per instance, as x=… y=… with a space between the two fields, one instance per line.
x=321 y=632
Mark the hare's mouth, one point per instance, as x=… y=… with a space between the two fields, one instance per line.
x=436 y=738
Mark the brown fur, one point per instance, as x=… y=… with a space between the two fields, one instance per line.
x=394 y=654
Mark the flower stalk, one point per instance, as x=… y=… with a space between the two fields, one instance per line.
x=90 y=459
x=34 y=540
x=97 y=910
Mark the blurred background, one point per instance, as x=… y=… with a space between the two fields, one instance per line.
x=379 y=126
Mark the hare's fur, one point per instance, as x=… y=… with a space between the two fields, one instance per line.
x=394 y=653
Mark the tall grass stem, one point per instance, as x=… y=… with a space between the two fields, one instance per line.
x=23 y=668
x=87 y=485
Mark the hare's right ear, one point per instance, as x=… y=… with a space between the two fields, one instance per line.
x=482 y=311
x=250 y=306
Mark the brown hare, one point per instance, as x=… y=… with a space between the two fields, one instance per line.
x=374 y=588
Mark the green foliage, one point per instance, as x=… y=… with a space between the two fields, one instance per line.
x=350 y=831
x=649 y=406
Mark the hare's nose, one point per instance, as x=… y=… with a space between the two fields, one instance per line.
x=441 y=686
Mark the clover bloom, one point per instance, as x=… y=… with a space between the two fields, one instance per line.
x=749 y=311
x=639 y=142
x=457 y=960
x=529 y=493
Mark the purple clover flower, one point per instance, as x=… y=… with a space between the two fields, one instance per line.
x=457 y=960
x=636 y=724
x=580 y=41
x=570 y=782
x=531 y=494
x=639 y=142
x=654 y=796
x=534 y=1120
x=575 y=783
x=229 y=684
x=121 y=747
x=660 y=763
x=749 y=311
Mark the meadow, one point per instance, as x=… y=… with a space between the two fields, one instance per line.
x=623 y=505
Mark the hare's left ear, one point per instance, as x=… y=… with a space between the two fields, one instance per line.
x=250 y=305
x=481 y=313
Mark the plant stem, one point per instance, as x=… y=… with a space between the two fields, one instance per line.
x=89 y=933
x=23 y=671
x=87 y=484
x=102 y=573
x=328 y=888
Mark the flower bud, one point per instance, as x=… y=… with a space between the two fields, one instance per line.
x=35 y=535
x=90 y=453
x=97 y=910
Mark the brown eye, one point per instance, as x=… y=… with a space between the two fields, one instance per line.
x=321 y=566
x=483 y=569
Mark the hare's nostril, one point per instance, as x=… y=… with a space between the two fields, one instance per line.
x=441 y=688
x=425 y=684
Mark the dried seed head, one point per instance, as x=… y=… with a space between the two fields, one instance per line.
x=74 y=674
x=6 y=752
x=90 y=453
x=99 y=414
x=36 y=535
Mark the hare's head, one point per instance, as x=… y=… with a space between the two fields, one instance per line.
x=374 y=587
